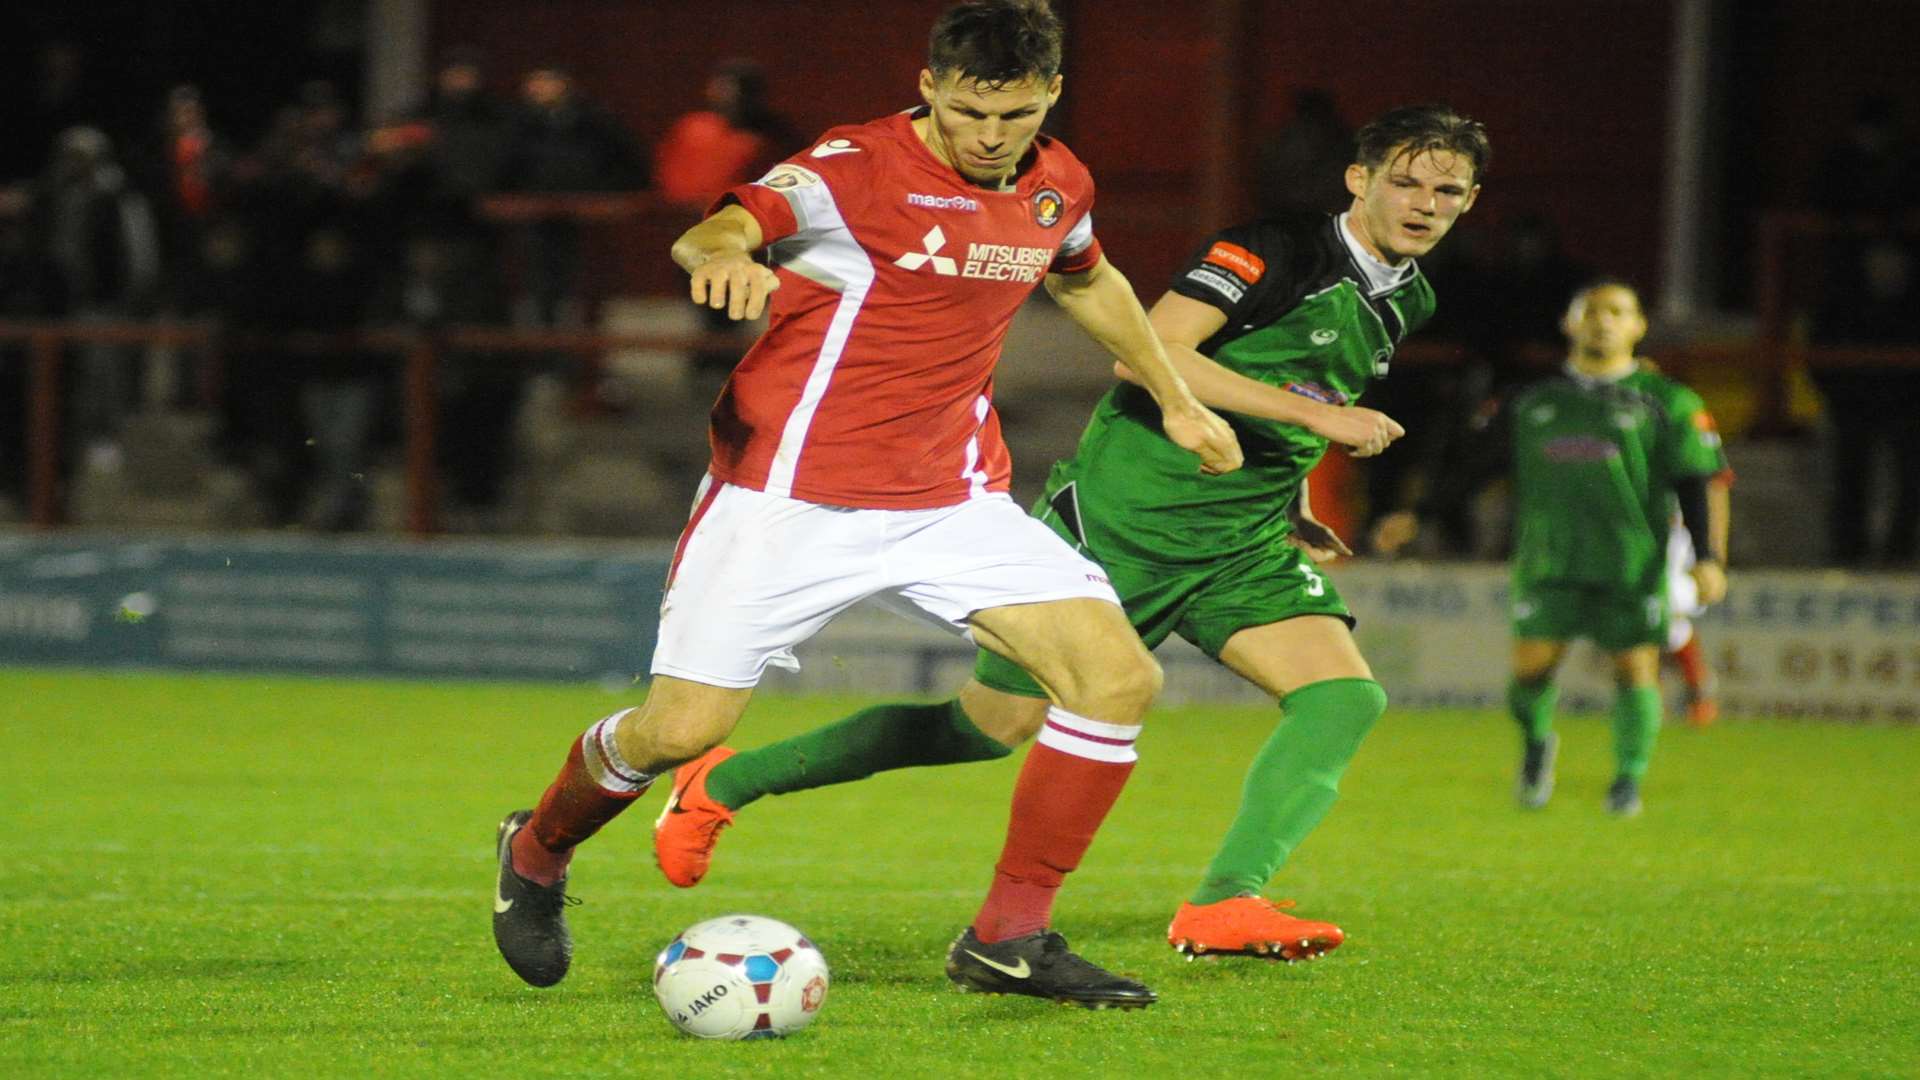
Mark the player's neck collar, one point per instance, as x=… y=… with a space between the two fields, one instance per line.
x=1379 y=275
x=1594 y=379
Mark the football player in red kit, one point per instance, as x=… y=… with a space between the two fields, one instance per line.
x=856 y=455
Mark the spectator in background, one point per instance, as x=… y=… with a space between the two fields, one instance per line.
x=736 y=138
x=20 y=275
x=186 y=171
x=60 y=98
x=336 y=393
x=480 y=393
x=1302 y=166
x=95 y=236
x=1869 y=298
x=562 y=142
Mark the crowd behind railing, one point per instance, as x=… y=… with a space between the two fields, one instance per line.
x=328 y=290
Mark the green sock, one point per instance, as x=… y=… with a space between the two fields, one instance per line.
x=1636 y=724
x=870 y=741
x=1532 y=705
x=1292 y=783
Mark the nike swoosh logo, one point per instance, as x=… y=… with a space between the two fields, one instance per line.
x=1018 y=971
x=501 y=905
x=673 y=804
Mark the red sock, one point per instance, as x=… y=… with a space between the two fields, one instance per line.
x=1693 y=664
x=591 y=790
x=1070 y=780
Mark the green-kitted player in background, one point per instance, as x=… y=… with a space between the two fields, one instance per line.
x=1280 y=324
x=1600 y=454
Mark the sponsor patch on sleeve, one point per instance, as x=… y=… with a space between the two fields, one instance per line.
x=787 y=176
x=1224 y=284
x=1236 y=260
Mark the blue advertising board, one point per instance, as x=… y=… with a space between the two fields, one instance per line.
x=329 y=607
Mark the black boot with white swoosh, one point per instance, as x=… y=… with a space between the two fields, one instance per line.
x=529 y=919
x=1041 y=965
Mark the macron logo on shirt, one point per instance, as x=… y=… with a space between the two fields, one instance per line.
x=943 y=202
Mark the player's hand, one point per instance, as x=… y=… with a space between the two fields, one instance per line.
x=1195 y=427
x=734 y=283
x=1317 y=539
x=1395 y=531
x=1365 y=432
x=1710 y=578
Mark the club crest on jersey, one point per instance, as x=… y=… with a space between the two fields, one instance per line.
x=788 y=177
x=1047 y=207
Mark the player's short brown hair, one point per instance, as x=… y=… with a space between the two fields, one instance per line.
x=1418 y=129
x=996 y=42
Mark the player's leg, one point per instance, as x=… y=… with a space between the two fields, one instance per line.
x=1683 y=643
x=978 y=724
x=1632 y=627
x=1329 y=701
x=728 y=613
x=1102 y=679
x=606 y=769
x=1531 y=696
x=1636 y=723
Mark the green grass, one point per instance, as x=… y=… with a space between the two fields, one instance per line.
x=223 y=876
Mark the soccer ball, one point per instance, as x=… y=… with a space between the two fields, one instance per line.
x=740 y=977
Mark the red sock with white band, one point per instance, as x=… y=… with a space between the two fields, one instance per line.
x=593 y=787
x=1071 y=778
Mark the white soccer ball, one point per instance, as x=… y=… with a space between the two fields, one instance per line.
x=740 y=977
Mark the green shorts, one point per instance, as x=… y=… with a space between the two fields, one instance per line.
x=1610 y=618
x=1204 y=604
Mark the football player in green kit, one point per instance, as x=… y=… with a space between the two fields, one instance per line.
x=1600 y=454
x=1280 y=324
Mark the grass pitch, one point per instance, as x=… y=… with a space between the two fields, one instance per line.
x=225 y=876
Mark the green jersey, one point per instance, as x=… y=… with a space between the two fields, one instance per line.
x=1308 y=312
x=1595 y=463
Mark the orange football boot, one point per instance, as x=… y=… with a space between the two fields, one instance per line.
x=689 y=825
x=1702 y=710
x=1250 y=926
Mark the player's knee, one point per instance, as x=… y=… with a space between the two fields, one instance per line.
x=1121 y=689
x=655 y=743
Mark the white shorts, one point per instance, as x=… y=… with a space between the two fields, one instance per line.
x=757 y=574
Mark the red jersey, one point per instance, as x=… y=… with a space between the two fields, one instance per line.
x=873 y=384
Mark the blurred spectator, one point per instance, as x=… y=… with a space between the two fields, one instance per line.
x=737 y=137
x=1866 y=170
x=186 y=171
x=1870 y=294
x=339 y=391
x=1303 y=165
x=96 y=238
x=61 y=97
x=561 y=142
x=20 y=277
x=480 y=393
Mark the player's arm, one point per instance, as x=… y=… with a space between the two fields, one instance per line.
x=1102 y=302
x=718 y=255
x=1706 y=509
x=1183 y=323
